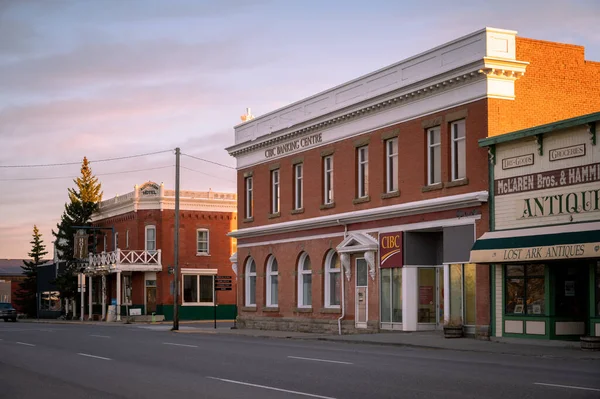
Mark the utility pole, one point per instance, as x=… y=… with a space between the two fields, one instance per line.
x=176 y=248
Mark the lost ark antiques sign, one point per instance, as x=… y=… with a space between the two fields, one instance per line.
x=588 y=250
x=550 y=179
x=295 y=145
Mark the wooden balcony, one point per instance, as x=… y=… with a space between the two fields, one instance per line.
x=124 y=261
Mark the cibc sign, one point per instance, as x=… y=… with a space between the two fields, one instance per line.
x=391 y=250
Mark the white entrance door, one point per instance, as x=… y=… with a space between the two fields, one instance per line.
x=362 y=291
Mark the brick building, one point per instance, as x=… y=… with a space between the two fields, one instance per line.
x=11 y=276
x=136 y=250
x=359 y=205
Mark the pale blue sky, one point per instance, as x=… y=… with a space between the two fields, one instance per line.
x=119 y=77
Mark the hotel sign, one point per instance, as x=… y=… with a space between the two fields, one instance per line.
x=293 y=146
x=550 y=179
x=390 y=250
x=150 y=189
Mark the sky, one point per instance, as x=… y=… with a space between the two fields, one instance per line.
x=115 y=78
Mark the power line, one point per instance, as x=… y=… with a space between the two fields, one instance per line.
x=206 y=160
x=75 y=177
x=203 y=173
x=79 y=162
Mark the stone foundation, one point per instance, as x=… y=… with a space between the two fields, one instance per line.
x=319 y=326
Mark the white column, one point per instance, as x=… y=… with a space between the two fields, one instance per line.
x=74 y=306
x=82 y=288
x=410 y=298
x=446 y=293
x=90 y=297
x=104 y=297
x=118 y=310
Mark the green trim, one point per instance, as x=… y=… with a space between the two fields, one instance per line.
x=593 y=132
x=533 y=131
x=543 y=225
x=592 y=298
x=493 y=301
x=575 y=237
x=224 y=312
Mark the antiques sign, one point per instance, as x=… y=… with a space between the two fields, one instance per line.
x=550 y=179
x=295 y=145
x=560 y=204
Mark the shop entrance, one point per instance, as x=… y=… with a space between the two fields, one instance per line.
x=571 y=292
x=362 y=291
x=431 y=296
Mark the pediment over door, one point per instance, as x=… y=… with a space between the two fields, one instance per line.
x=358 y=243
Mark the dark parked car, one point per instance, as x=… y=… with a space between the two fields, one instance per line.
x=7 y=312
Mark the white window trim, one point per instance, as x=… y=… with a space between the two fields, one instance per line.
x=270 y=275
x=116 y=240
x=275 y=191
x=391 y=175
x=207 y=253
x=105 y=248
x=249 y=187
x=124 y=290
x=198 y=273
x=247 y=275
x=328 y=187
x=362 y=175
x=127 y=239
x=149 y=227
x=328 y=272
x=298 y=186
x=430 y=146
x=454 y=140
x=301 y=274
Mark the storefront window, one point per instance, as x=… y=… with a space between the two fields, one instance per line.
x=462 y=293
x=470 y=305
x=391 y=295
x=598 y=288
x=427 y=298
x=525 y=290
x=456 y=310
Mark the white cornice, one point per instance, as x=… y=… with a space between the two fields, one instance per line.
x=380 y=213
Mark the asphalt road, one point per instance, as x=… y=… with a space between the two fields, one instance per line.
x=77 y=361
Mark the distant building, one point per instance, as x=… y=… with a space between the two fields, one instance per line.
x=135 y=253
x=360 y=204
x=11 y=276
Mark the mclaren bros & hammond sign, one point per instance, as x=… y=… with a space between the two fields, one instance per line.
x=293 y=146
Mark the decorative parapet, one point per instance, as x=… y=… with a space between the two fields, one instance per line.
x=119 y=260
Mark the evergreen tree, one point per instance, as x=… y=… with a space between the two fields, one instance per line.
x=26 y=295
x=84 y=201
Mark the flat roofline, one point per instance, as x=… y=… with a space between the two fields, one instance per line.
x=534 y=131
x=486 y=29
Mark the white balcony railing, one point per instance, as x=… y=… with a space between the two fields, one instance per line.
x=125 y=260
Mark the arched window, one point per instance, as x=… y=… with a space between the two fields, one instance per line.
x=332 y=280
x=272 y=282
x=304 y=281
x=250 y=282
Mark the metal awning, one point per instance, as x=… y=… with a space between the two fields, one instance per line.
x=578 y=240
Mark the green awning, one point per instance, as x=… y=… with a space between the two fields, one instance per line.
x=579 y=240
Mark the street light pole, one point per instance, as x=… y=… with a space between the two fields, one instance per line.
x=176 y=247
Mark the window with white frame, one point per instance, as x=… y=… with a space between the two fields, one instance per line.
x=272 y=282
x=332 y=280
x=249 y=204
x=298 y=186
x=116 y=241
x=202 y=240
x=304 y=281
x=391 y=165
x=459 y=150
x=250 y=283
x=362 y=162
x=105 y=243
x=127 y=239
x=197 y=288
x=126 y=289
x=434 y=156
x=275 y=191
x=328 y=180
x=150 y=238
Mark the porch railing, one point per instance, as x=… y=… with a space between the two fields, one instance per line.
x=125 y=257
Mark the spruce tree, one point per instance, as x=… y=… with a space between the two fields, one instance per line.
x=84 y=201
x=26 y=295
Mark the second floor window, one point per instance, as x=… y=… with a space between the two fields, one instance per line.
x=298 y=176
x=362 y=155
x=391 y=165
x=249 y=199
x=150 y=238
x=116 y=241
x=459 y=150
x=434 y=156
x=202 y=242
x=328 y=180
x=275 y=191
